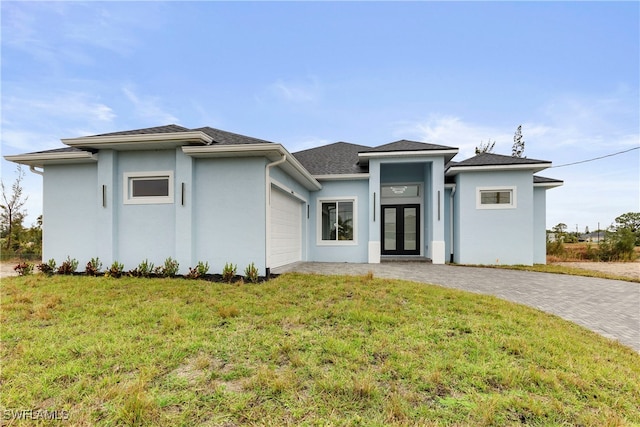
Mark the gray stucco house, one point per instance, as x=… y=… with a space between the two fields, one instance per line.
x=209 y=195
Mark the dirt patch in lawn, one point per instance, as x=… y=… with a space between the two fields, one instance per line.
x=626 y=269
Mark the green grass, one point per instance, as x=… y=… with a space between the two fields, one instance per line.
x=302 y=350
x=560 y=269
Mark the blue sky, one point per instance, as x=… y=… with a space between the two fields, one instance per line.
x=308 y=74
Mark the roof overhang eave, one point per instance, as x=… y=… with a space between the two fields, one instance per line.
x=342 y=177
x=552 y=184
x=140 y=141
x=270 y=151
x=534 y=167
x=42 y=159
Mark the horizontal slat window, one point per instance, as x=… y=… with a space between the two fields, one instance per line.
x=148 y=187
x=496 y=197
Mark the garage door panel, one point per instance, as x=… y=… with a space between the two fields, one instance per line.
x=286 y=228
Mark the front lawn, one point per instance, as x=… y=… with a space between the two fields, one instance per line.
x=300 y=350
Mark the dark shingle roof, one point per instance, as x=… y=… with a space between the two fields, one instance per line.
x=490 y=159
x=219 y=136
x=157 y=129
x=222 y=137
x=60 y=150
x=543 y=179
x=405 y=145
x=336 y=158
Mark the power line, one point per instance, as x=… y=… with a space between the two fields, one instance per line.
x=597 y=158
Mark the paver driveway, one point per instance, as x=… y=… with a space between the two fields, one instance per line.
x=608 y=307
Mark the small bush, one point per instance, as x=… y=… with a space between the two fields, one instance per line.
x=251 y=273
x=23 y=269
x=229 y=272
x=144 y=269
x=618 y=246
x=170 y=267
x=68 y=266
x=115 y=270
x=555 y=248
x=49 y=268
x=93 y=267
x=200 y=270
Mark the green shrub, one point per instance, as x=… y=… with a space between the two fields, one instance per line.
x=618 y=246
x=68 y=266
x=200 y=270
x=23 y=269
x=555 y=248
x=49 y=268
x=115 y=270
x=229 y=272
x=251 y=273
x=144 y=269
x=170 y=267
x=93 y=267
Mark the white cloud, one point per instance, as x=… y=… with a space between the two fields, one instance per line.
x=80 y=30
x=454 y=132
x=148 y=108
x=70 y=105
x=22 y=140
x=56 y=114
x=302 y=91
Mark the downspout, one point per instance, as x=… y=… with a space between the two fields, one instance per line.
x=267 y=204
x=36 y=171
x=451 y=216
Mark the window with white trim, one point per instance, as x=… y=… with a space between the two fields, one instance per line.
x=496 y=198
x=148 y=187
x=337 y=221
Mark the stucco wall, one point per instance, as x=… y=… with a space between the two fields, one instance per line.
x=229 y=212
x=70 y=203
x=494 y=236
x=145 y=231
x=340 y=252
x=539 y=225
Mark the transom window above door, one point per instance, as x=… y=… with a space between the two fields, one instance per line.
x=400 y=190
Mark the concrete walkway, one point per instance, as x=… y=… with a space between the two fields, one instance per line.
x=609 y=307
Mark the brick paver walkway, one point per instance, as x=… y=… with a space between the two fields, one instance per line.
x=609 y=307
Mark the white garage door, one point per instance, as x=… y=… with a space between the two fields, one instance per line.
x=286 y=228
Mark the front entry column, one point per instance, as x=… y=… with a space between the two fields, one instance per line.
x=437 y=247
x=374 y=212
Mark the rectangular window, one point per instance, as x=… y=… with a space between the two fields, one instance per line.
x=337 y=221
x=496 y=197
x=148 y=187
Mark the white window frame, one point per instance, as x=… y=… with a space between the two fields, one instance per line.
x=127 y=190
x=504 y=188
x=336 y=242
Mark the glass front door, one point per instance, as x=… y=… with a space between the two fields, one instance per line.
x=401 y=229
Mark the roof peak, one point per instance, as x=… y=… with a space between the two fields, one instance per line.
x=408 y=145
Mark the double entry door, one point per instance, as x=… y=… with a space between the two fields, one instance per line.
x=401 y=229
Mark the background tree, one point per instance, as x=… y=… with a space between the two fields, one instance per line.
x=631 y=222
x=560 y=228
x=12 y=214
x=485 y=148
x=518 y=143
